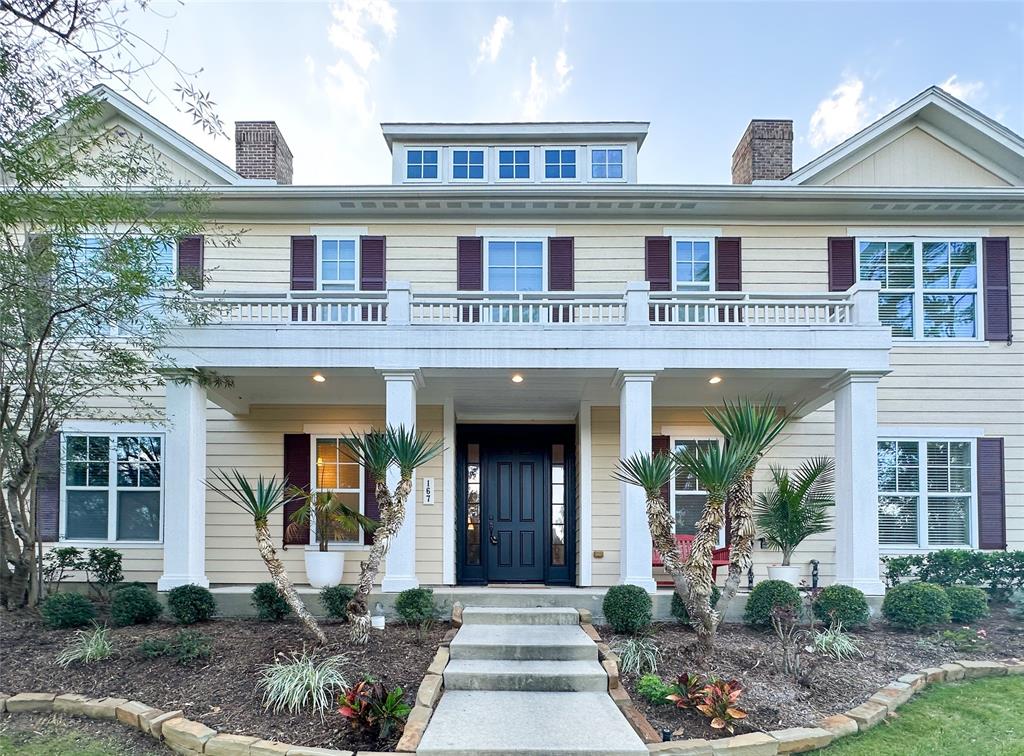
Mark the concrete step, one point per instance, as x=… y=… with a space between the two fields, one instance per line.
x=523 y=643
x=496 y=723
x=491 y=674
x=538 y=615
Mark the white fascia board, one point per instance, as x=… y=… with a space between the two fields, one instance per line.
x=634 y=131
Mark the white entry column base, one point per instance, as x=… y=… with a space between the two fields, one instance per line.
x=400 y=564
x=635 y=428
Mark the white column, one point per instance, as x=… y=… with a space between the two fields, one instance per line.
x=448 y=502
x=184 y=487
x=400 y=569
x=585 y=577
x=635 y=425
x=856 y=510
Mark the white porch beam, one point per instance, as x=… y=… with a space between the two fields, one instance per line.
x=856 y=510
x=185 y=491
x=635 y=427
x=400 y=409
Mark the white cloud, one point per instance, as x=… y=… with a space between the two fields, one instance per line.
x=563 y=70
x=349 y=91
x=491 y=44
x=963 y=90
x=542 y=91
x=349 y=30
x=310 y=65
x=841 y=114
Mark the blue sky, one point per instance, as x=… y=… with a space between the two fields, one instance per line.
x=328 y=73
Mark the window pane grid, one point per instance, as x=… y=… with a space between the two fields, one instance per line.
x=467 y=164
x=421 y=164
x=693 y=265
x=560 y=164
x=687 y=498
x=340 y=473
x=513 y=164
x=606 y=163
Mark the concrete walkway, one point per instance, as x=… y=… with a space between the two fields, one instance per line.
x=526 y=681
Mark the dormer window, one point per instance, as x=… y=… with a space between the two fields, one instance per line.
x=606 y=163
x=421 y=165
x=560 y=164
x=468 y=165
x=514 y=164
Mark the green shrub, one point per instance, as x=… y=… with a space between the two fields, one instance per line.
x=627 y=608
x=335 y=600
x=153 y=648
x=191 y=646
x=1016 y=608
x=416 y=605
x=190 y=604
x=270 y=605
x=64 y=610
x=966 y=604
x=129 y=584
x=916 y=605
x=766 y=596
x=134 y=606
x=654 y=690
x=998 y=572
x=843 y=603
x=681 y=613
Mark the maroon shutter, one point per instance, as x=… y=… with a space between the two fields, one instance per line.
x=658 y=262
x=991 y=494
x=372 y=266
x=190 y=260
x=661 y=445
x=48 y=490
x=470 y=271
x=296 y=471
x=997 y=289
x=303 y=273
x=842 y=263
x=561 y=273
x=728 y=273
x=370 y=507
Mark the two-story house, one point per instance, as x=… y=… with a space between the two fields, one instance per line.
x=516 y=292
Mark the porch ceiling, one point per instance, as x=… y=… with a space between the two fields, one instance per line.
x=543 y=394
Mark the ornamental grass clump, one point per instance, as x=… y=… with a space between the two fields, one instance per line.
x=835 y=642
x=638 y=655
x=86 y=647
x=299 y=682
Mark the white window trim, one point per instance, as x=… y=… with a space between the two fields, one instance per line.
x=922 y=437
x=111 y=431
x=496 y=168
x=320 y=261
x=680 y=434
x=712 y=261
x=590 y=163
x=919 y=291
x=440 y=164
x=580 y=167
x=543 y=259
x=334 y=545
x=450 y=163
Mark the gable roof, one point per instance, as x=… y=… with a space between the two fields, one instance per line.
x=170 y=142
x=980 y=138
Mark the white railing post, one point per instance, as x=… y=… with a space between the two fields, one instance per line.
x=399 y=308
x=638 y=302
x=864 y=297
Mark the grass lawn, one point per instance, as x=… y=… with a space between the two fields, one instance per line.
x=956 y=719
x=69 y=742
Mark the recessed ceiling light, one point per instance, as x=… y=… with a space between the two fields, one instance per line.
x=517 y=378
x=715 y=379
x=318 y=377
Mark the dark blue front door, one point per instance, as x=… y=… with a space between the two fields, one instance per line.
x=515 y=502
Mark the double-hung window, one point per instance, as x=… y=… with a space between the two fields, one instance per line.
x=515 y=265
x=606 y=163
x=514 y=164
x=337 y=471
x=112 y=487
x=467 y=165
x=421 y=165
x=338 y=264
x=929 y=286
x=925 y=493
x=560 y=164
x=692 y=264
x=687 y=499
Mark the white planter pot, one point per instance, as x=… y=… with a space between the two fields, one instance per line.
x=324 y=568
x=377 y=621
x=790 y=575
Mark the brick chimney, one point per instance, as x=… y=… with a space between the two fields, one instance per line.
x=261 y=152
x=765 y=152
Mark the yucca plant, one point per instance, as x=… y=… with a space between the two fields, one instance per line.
x=260 y=502
x=797 y=506
x=376 y=451
x=87 y=646
x=298 y=682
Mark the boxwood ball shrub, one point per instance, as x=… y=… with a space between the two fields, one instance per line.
x=766 y=596
x=63 y=610
x=843 y=602
x=627 y=608
x=416 y=605
x=134 y=606
x=335 y=600
x=913 y=606
x=190 y=604
x=270 y=605
x=681 y=613
x=966 y=604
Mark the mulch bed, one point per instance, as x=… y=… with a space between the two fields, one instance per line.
x=220 y=692
x=774 y=700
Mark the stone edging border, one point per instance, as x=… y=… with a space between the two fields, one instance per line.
x=861 y=718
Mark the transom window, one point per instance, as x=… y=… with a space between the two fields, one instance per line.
x=692 y=265
x=925 y=493
x=515 y=265
x=338 y=264
x=112 y=487
x=606 y=163
x=687 y=498
x=929 y=288
x=513 y=164
x=339 y=472
x=421 y=164
x=560 y=164
x=467 y=164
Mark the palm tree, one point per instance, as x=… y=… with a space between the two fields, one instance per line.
x=376 y=451
x=329 y=514
x=797 y=506
x=261 y=502
x=753 y=428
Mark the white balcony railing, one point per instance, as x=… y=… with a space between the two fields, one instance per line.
x=637 y=306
